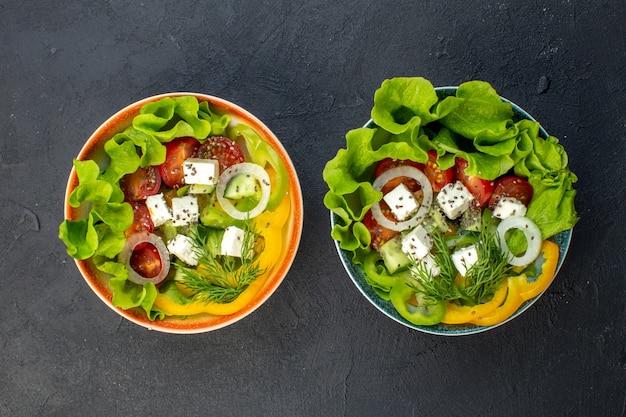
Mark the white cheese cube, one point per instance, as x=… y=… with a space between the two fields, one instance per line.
x=463 y=259
x=430 y=265
x=184 y=210
x=417 y=243
x=232 y=241
x=401 y=202
x=201 y=171
x=507 y=207
x=454 y=199
x=184 y=249
x=159 y=211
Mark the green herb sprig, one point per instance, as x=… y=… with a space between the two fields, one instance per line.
x=219 y=278
x=481 y=280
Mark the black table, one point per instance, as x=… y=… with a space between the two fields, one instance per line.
x=309 y=70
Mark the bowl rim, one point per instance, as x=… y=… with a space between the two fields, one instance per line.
x=173 y=325
x=563 y=240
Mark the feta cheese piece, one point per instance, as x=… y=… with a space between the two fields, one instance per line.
x=232 y=242
x=184 y=210
x=417 y=243
x=184 y=249
x=401 y=202
x=159 y=211
x=464 y=258
x=507 y=207
x=430 y=265
x=201 y=171
x=454 y=199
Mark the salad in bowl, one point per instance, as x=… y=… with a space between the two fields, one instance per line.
x=183 y=212
x=452 y=208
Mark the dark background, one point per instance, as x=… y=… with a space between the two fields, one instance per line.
x=309 y=71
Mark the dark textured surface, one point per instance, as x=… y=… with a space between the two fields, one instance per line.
x=317 y=347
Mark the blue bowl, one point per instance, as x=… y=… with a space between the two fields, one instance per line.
x=357 y=275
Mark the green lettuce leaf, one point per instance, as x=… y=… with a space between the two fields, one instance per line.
x=102 y=231
x=403 y=103
x=481 y=109
x=175 y=117
x=552 y=205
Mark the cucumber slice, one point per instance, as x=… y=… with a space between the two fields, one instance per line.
x=201 y=189
x=395 y=260
x=241 y=186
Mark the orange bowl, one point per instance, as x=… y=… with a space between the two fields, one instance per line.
x=99 y=282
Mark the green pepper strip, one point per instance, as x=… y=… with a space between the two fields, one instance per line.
x=262 y=153
x=413 y=307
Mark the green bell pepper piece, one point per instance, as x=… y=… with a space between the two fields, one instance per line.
x=425 y=313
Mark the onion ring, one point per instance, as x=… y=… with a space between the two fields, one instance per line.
x=244 y=168
x=531 y=233
x=135 y=240
x=422 y=180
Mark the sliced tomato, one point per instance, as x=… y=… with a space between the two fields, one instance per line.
x=388 y=163
x=145 y=260
x=481 y=189
x=142 y=222
x=226 y=151
x=177 y=151
x=438 y=177
x=142 y=183
x=379 y=234
x=511 y=186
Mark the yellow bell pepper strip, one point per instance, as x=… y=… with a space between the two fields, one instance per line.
x=456 y=314
x=270 y=226
x=521 y=290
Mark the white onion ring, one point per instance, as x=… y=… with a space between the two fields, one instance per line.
x=422 y=180
x=244 y=168
x=531 y=233
x=131 y=243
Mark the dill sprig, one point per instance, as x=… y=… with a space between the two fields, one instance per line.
x=484 y=277
x=481 y=280
x=441 y=287
x=220 y=278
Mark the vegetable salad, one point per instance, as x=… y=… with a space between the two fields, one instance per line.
x=448 y=203
x=187 y=216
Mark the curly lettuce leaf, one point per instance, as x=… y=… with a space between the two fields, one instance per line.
x=127 y=295
x=102 y=231
x=403 y=103
x=552 y=205
x=174 y=117
x=80 y=238
x=481 y=109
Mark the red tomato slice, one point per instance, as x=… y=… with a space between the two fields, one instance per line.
x=379 y=234
x=177 y=151
x=387 y=164
x=226 y=151
x=437 y=176
x=142 y=222
x=145 y=260
x=511 y=186
x=140 y=184
x=481 y=189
